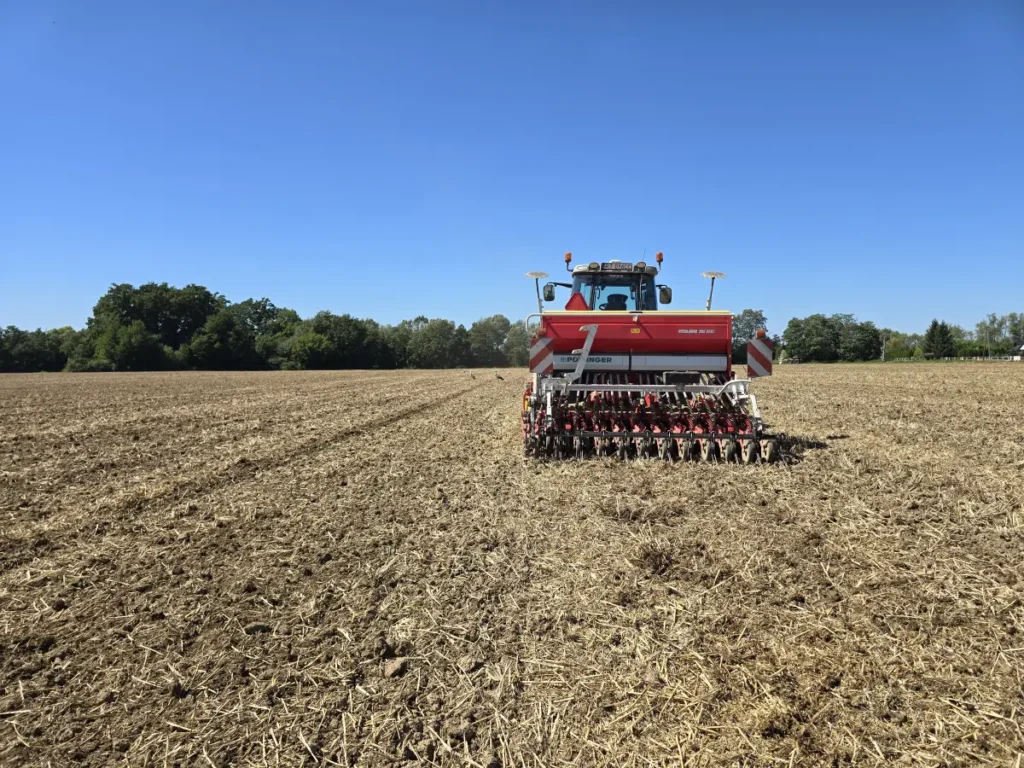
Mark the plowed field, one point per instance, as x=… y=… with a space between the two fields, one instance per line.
x=360 y=568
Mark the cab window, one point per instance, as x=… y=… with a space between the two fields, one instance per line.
x=622 y=293
x=616 y=294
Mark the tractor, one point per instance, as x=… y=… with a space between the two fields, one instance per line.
x=616 y=373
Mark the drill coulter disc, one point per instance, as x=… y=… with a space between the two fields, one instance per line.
x=695 y=450
x=666 y=449
x=646 y=448
x=751 y=451
x=568 y=449
x=537 y=446
x=709 y=450
x=731 y=451
x=689 y=450
x=770 y=451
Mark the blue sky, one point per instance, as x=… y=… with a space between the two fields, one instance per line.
x=395 y=159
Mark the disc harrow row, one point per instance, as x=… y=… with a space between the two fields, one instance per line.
x=631 y=425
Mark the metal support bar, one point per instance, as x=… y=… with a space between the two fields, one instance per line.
x=755 y=412
x=583 y=353
x=736 y=390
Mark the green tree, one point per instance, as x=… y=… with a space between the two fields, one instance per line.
x=1015 y=329
x=836 y=337
x=173 y=315
x=347 y=336
x=744 y=326
x=29 y=351
x=397 y=338
x=6 y=344
x=462 y=354
x=188 y=310
x=947 y=343
x=517 y=344
x=992 y=333
x=311 y=350
x=861 y=341
x=901 y=345
x=258 y=316
x=931 y=344
x=938 y=341
x=131 y=347
x=968 y=347
x=815 y=338
x=227 y=341
x=960 y=333
x=273 y=342
x=379 y=353
x=439 y=344
x=846 y=327
x=793 y=339
x=487 y=340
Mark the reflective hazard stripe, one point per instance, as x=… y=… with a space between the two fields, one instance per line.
x=539 y=346
x=542 y=360
x=759 y=358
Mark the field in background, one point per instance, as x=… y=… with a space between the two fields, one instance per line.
x=359 y=568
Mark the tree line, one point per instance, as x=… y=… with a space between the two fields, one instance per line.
x=156 y=327
x=840 y=337
x=993 y=336
x=833 y=338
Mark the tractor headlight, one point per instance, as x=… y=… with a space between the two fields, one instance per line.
x=641 y=266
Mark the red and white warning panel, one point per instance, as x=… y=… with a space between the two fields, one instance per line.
x=759 y=358
x=542 y=359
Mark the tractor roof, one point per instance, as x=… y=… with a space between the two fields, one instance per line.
x=615 y=266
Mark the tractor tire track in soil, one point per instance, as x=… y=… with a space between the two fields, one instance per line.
x=411 y=590
x=226 y=576
x=122 y=445
x=18 y=550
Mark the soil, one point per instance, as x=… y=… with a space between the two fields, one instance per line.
x=360 y=568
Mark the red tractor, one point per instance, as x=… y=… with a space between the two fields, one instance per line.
x=614 y=374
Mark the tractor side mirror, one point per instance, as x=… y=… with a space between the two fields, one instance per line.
x=664 y=294
x=549 y=291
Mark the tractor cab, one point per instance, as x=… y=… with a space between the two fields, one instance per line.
x=613 y=286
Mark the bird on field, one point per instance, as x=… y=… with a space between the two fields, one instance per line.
x=499 y=376
x=472 y=376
